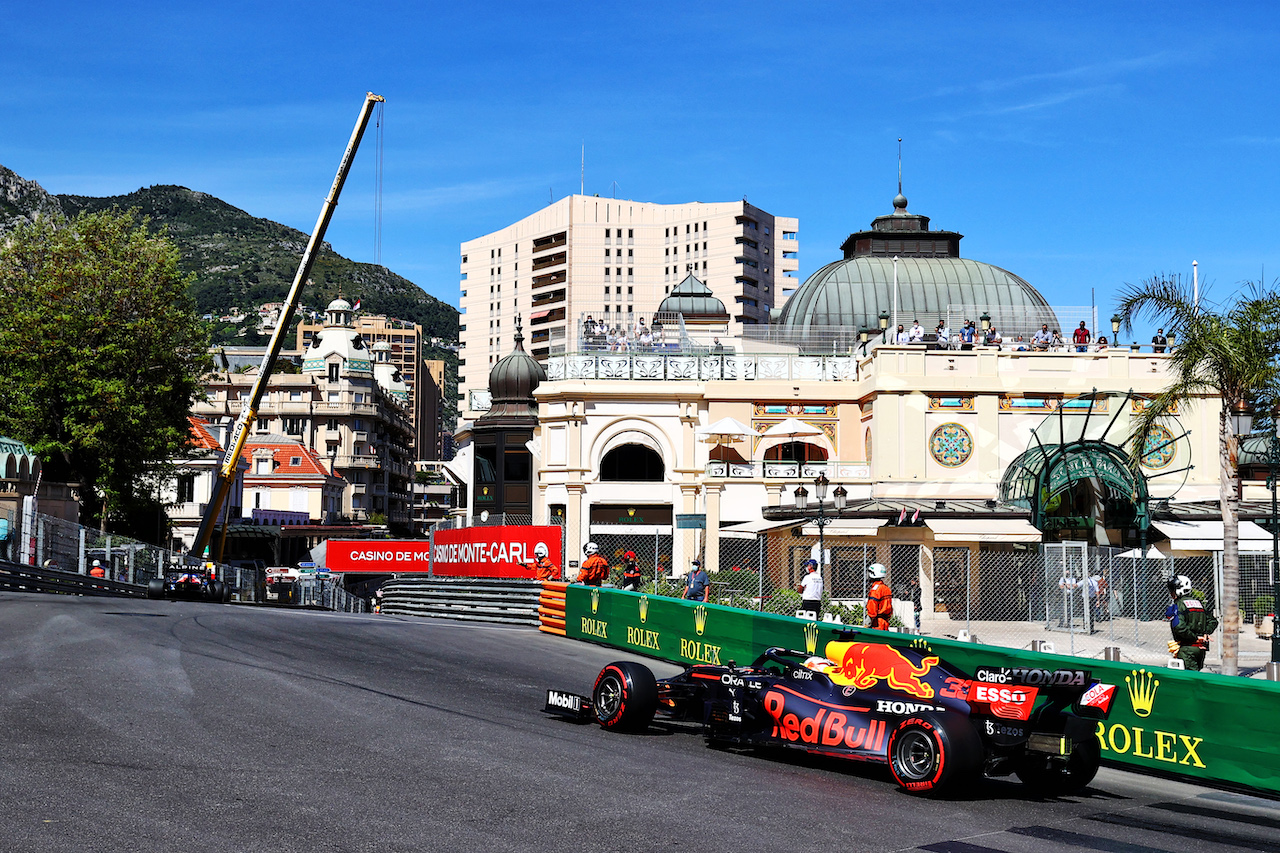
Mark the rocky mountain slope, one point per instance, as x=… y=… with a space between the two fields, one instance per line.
x=238 y=260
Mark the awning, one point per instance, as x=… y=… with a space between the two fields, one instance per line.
x=1207 y=536
x=538 y=315
x=752 y=529
x=983 y=530
x=847 y=527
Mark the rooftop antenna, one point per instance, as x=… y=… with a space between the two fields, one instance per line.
x=582 y=186
x=899 y=165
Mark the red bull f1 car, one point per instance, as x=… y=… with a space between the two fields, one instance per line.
x=933 y=725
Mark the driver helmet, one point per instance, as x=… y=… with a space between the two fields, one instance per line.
x=1179 y=585
x=591 y=549
x=819 y=663
x=876 y=571
x=540 y=550
x=630 y=555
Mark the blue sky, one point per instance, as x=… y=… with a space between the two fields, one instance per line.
x=1080 y=145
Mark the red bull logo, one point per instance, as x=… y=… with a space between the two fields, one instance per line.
x=864 y=665
x=825 y=727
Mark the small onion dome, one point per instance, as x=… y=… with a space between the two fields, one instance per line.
x=512 y=382
x=693 y=299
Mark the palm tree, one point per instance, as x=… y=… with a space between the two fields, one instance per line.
x=1232 y=352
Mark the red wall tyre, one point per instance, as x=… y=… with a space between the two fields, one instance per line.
x=625 y=696
x=928 y=754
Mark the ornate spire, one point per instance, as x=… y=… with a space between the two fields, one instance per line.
x=900 y=200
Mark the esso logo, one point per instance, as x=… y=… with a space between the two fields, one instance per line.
x=998 y=694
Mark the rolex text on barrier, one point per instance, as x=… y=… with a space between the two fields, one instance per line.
x=1203 y=726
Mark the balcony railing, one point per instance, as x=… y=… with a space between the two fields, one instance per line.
x=785 y=470
x=683 y=366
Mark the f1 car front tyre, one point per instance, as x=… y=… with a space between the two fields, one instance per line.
x=625 y=696
x=1049 y=778
x=155 y=588
x=928 y=754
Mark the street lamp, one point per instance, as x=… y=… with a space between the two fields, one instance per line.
x=862 y=337
x=1115 y=329
x=884 y=325
x=985 y=320
x=1172 y=338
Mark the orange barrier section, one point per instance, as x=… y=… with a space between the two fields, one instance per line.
x=551 y=607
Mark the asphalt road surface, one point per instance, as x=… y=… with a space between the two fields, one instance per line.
x=156 y=725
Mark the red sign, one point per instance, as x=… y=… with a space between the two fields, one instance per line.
x=378 y=555
x=493 y=552
x=469 y=552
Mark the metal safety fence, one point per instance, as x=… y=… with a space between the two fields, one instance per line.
x=30 y=538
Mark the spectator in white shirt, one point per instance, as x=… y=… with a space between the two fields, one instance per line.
x=917 y=332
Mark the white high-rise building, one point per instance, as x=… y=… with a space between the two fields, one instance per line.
x=614 y=260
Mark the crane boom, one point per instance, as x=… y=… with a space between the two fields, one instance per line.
x=249 y=412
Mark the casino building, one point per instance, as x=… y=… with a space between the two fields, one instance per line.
x=926 y=451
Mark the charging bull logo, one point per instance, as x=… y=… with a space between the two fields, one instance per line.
x=864 y=665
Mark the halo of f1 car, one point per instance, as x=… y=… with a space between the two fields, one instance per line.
x=191 y=583
x=934 y=726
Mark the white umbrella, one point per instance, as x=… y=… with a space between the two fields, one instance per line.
x=722 y=433
x=1136 y=554
x=725 y=431
x=791 y=429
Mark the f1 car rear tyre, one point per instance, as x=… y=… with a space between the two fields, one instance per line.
x=155 y=588
x=226 y=593
x=928 y=753
x=1049 y=778
x=214 y=592
x=625 y=696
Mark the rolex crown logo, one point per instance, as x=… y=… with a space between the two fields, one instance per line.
x=811 y=637
x=644 y=607
x=595 y=600
x=700 y=618
x=921 y=644
x=1142 y=691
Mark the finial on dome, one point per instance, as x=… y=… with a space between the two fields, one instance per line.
x=519 y=333
x=900 y=200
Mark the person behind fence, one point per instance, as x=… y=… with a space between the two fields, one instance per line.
x=1191 y=623
x=595 y=569
x=811 y=587
x=97 y=571
x=697 y=586
x=630 y=572
x=917 y=600
x=879 y=598
x=546 y=570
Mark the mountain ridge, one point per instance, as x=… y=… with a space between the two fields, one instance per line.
x=239 y=260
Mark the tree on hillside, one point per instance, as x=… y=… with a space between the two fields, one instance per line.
x=100 y=353
x=1231 y=351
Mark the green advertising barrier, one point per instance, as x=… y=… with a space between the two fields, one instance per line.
x=1200 y=725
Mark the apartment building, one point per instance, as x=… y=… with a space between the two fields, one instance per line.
x=405 y=338
x=349 y=404
x=614 y=260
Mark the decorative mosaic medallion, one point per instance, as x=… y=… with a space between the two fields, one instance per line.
x=951 y=445
x=1159 y=448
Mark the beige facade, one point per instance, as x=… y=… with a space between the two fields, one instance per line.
x=405 y=338
x=614 y=260
x=902 y=424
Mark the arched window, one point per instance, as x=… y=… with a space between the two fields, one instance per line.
x=632 y=463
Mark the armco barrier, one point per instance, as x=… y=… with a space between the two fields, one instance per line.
x=473 y=600
x=19 y=578
x=1204 y=726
